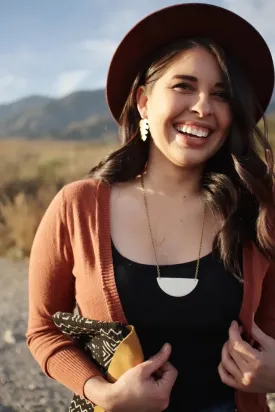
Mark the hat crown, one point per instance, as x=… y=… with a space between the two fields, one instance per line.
x=164 y=26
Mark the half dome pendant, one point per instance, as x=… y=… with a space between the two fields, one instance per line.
x=177 y=287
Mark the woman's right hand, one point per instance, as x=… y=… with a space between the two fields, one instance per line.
x=146 y=387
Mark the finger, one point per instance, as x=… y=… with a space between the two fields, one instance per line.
x=157 y=361
x=167 y=367
x=235 y=331
x=238 y=344
x=243 y=375
x=264 y=340
x=159 y=373
x=169 y=375
x=226 y=377
x=230 y=365
x=240 y=360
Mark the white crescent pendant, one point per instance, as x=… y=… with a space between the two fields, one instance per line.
x=177 y=287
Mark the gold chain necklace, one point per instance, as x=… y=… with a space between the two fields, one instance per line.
x=177 y=287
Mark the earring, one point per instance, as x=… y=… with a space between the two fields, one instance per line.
x=144 y=128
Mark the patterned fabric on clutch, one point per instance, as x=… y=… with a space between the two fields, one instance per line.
x=98 y=339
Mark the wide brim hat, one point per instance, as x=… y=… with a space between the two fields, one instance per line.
x=233 y=33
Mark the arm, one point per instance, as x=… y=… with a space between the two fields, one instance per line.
x=51 y=289
x=265 y=315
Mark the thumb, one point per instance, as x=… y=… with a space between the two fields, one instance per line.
x=235 y=332
x=158 y=360
x=263 y=339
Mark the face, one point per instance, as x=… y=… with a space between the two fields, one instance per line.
x=187 y=109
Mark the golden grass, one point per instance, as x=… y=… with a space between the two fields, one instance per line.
x=31 y=173
x=46 y=159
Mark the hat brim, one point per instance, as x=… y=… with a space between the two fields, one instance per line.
x=164 y=26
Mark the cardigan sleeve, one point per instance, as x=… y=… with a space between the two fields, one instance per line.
x=265 y=315
x=51 y=289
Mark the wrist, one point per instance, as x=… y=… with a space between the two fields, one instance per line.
x=100 y=392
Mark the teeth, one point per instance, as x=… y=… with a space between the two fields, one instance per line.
x=184 y=129
x=193 y=130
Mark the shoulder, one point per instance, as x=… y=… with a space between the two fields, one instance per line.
x=85 y=190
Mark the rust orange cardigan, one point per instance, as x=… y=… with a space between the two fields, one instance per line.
x=71 y=260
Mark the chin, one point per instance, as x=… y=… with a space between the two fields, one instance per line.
x=189 y=161
x=192 y=158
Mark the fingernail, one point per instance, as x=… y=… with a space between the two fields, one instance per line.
x=164 y=348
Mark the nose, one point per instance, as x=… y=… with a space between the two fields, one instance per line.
x=202 y=106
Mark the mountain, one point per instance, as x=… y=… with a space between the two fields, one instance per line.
x=82 y=115
x=36 y=117
x=103 y=126
x=271 y=108
x=16 y=108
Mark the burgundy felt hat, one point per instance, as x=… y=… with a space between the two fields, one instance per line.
x=180 y=21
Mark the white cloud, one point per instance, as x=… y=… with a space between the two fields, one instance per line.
x=11 y=86
x=258 y=12
x=103 y=47
x=119 y=21
x=69 y=81
x=20 y=59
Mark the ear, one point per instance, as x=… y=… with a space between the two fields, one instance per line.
x=142 y=98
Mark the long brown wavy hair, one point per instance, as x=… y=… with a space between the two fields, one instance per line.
x=237 y=181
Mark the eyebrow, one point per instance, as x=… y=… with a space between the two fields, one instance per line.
x=193 y=79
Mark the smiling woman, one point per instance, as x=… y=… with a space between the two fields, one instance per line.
x=170 y=236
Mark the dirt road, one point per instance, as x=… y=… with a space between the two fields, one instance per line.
x=23 y=387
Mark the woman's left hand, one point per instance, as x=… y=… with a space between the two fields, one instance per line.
x=245 y=368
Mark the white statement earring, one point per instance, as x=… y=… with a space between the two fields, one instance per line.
x=144 y=128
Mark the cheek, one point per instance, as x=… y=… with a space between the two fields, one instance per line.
x=157 y=118
x=225 y=119
x=163 y=107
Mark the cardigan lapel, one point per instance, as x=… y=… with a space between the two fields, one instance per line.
x=103 y=229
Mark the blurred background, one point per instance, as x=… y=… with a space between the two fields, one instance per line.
x=55 y=126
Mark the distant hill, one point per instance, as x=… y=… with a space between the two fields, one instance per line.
x=102 y=126
x=271 y=108
x=18 y=107
x=82 y=115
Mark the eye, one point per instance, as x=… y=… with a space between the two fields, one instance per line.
x=222 y=94
x=183 y=86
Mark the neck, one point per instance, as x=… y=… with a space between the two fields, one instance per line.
x=166 y=178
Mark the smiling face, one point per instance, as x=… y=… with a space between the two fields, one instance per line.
x=187 y=108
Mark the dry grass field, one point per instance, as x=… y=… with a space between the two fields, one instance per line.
x=31 y=173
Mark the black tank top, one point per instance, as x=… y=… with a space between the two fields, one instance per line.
x=195 y=325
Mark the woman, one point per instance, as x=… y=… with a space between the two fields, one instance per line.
x=172 y=232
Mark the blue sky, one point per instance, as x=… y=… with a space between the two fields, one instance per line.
x=53 y=47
